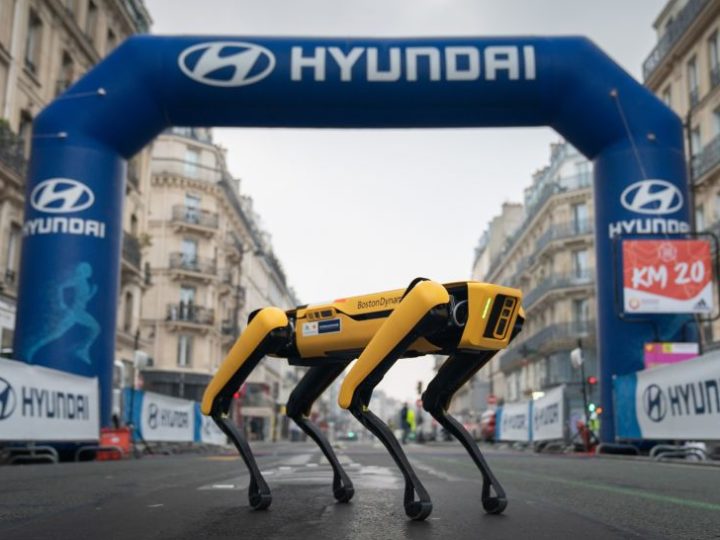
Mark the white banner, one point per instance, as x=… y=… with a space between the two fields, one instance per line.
x=548 y=417
x=514 y=422
x=680 y=401
x=165 y=418
x=42 y=404
x=210 y=433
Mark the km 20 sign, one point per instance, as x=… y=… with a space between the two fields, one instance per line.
x=667 y=276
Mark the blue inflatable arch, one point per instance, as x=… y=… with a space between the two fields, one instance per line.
x=82 y=141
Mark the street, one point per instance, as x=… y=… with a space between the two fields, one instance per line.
x=205 y=496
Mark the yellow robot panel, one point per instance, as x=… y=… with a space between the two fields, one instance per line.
x=264 y=322
x=492 y=312
x=418 y=302
x=347 y=324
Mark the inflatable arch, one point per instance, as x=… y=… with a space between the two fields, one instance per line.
x=82 y=141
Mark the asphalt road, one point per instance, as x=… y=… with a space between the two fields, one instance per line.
x=203 y=496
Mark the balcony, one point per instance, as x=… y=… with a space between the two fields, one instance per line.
x=714 y=76
x=563 y=231
x=12 y=150
x=694 y=96
x=131 y=252
x=672 y=35
x=706 y=159
x=536 y=202
x=188 y=314
x=195 y=219
x=193 y=265
x=581 y=278
x=553 y=338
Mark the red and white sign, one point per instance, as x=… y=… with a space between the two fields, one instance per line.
x=667 y=276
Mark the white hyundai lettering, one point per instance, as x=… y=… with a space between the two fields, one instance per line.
x=391 y=74
x=214 y=57
x=412 y=59
x=502 y=61
x=655 y=197
x=346 y=62
x=61 y=196
x=454 y=72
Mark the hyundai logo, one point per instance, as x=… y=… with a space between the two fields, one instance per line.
x=61 y=195
x=226 y=63
x=654 y=403
x=655 y=197
x=7 y=399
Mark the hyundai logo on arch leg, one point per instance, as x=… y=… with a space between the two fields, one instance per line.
x=8 y=400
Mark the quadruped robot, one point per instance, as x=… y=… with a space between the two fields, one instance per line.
x=468 y=321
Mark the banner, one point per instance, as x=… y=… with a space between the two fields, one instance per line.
x=548 y=416
x=513 y=422
x=680 y=401
x=42 y=404
x=660 y=354
x=164 y=418
x=206 y=430
x=667 y=276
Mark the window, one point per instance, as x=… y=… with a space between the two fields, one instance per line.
x=581 y=310
x=13 y=250
x=699 y=218
x=580 y=217
x=714 y=56
x=580 y=260
x=128 y=313
x=667 y=96
x=91 y=20
x=25 y=131
x=716 y=121
x=184 y=354
x=110 y=42
x=189 y=248
x=192 y=208
x=695 y=141
x=192 y=157
x=717 y=206
x=187 y=294
x=133 y=224
x=33 y=43
x=66 y=75
x=693 y=82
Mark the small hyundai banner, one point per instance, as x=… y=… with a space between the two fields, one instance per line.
x=165 y=418
x=548 y=416
x=206 y=430
x=679 y=401
x=667 y=276
x=42 y=404
x=513 y=422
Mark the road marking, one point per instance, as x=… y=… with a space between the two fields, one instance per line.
x=440 y=474
x=223 y=486
x=155 y=505
x=633 y=492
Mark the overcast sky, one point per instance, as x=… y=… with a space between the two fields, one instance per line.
x=400 y=203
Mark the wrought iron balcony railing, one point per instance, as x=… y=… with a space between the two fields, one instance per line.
x=12 y=150
x=192 y=263
x=191 y=313
x=131 y=251
x=672 y=35
x=706 y=159
x=195 y=216
x=560 y=336
x=555 y=282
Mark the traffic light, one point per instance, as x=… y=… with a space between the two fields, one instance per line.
x=592 y=380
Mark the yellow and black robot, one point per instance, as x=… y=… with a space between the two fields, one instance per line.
x=468 y=321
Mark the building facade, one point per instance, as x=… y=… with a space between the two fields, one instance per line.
x=549 y=254
x=683 y=70
x=46 y=45
x=210 y=264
